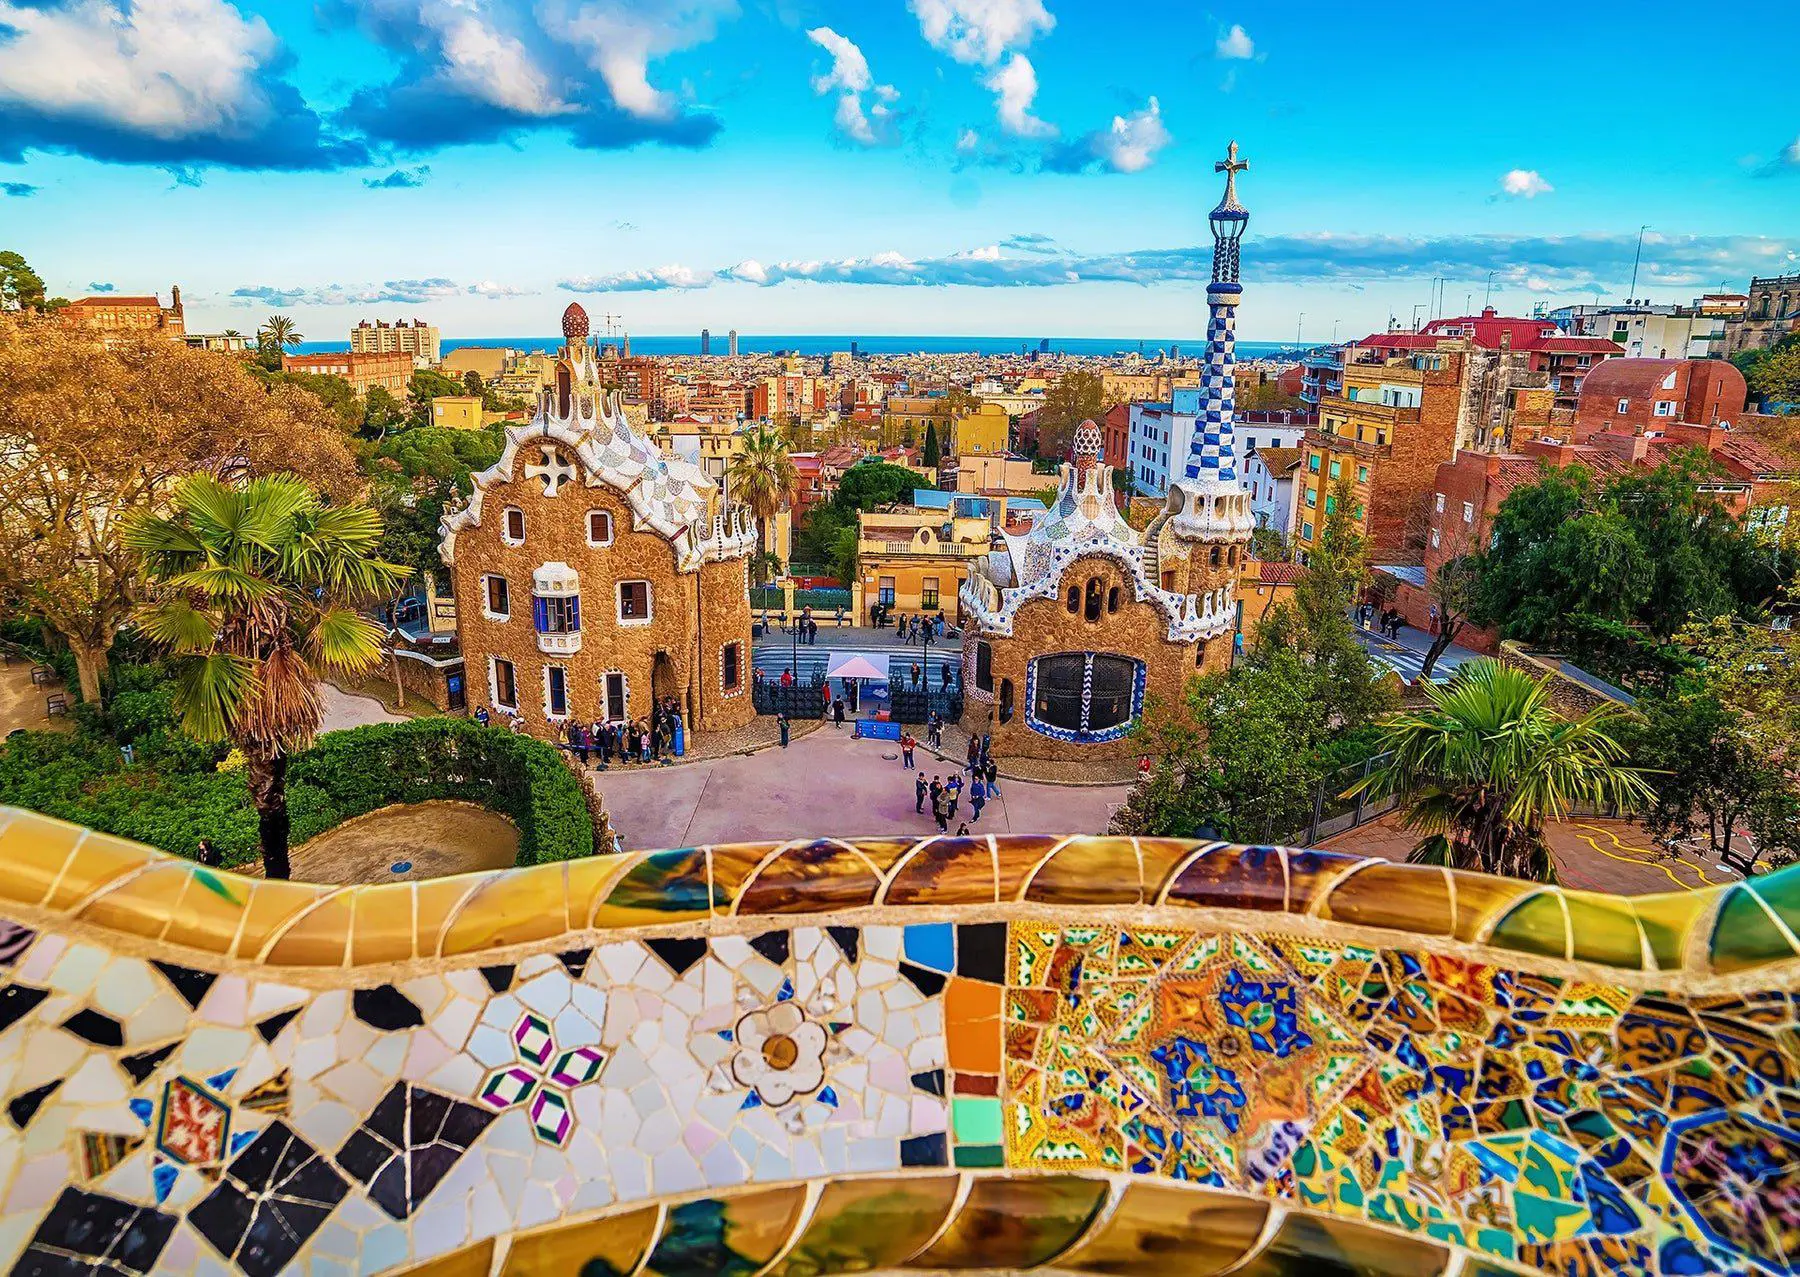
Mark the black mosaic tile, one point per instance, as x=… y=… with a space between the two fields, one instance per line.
x=925 y=1150
x=499 y=978
x=88 y=1232
x=929 y=983
x=847 y=939
x=16 y=1001
x=575 y=961
x=931 y=1082
x=773 y=945
x=144 y=1063
x=410 y=1142
x=272 y=1026
x=23 y=1107
x=981 y=951
x=678 y=954
x=385 y=1007
x=91 y=1026
x=192 y=985
x=273 y=1198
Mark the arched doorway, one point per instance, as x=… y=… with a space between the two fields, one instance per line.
x=662 y=677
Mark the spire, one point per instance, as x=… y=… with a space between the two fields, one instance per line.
x=1213 y=452
x=1228 y=219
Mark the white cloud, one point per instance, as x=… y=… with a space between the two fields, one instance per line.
x=411 y=292
x=1525 y=183
x=166 y=67
x=1130 y=146
x=620 y=38
x=1015 y=87
x=968 y=142
x=657 y=279
x=1235 y=43
x=490 y=66
x=979 y=32
x=850 y=78
x=489 y=289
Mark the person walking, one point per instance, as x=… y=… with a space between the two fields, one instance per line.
x=937 y=791
x=991 y=773
x=907 y=745
x=837 y=713
x=952 y=793
x=974 y=753
x=940 y=809
x=921 y=791
x=944 y=676
x=578 y=740
x=915 y=676
x=781 y=725
x=603 y=738
x=977 y=799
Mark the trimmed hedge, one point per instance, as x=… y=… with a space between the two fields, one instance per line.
x=351 y=772
x=81 y=778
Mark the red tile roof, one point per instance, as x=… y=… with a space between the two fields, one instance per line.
x=1487 y=330
x=1278 y=573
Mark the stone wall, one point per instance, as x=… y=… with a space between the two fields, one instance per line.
x=1045 y=627
x=661 y=657
x=1131 y=1056
x=1569 y=696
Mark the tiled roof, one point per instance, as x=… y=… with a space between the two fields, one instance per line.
x=1757 y=457
x=1278 y=573
x=1280 y=460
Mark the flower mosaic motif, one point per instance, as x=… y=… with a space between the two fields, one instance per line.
x=780 y=1053
x=193 y=1124
x=542 y=1079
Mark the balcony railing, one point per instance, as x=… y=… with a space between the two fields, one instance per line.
x=934 y=550
x=1389 y=414
x=1347 y=443
x=563 y=644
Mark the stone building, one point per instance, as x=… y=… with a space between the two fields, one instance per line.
x=119 y=318
x=593 y=574
x=1771 y=313
x=1074 y=624
x=391 y=371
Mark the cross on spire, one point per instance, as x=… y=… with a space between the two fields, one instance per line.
x=1231 y=164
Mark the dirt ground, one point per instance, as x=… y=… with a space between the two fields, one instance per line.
x=22 y=705
x=433 y=839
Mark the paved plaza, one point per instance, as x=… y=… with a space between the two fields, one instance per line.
x=825 y=783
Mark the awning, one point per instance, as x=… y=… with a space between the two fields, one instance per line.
x=852 y=665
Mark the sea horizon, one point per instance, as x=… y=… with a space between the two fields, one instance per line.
x=824 y=344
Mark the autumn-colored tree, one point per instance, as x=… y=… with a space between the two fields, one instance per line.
x=90 y=437
x=1075 y=398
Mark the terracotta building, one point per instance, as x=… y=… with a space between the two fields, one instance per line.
x=392 y=370
x=1647 y=396
x=593 y=574
x=118 y=318
x=1565 y=358
x=1074 y=624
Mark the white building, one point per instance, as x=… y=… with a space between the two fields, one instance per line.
x=1269 y=475
x=418 y=339
x=1159 y=431
x=1648 y=332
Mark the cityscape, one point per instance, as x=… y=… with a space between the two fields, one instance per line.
x=702 y=638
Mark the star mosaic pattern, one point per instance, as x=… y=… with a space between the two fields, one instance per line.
x=1017 y=1052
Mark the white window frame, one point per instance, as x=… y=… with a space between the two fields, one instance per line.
x=506 y=535
x=649 y=602
x=494 y=664
x=606 y=698
x=487 y=611
x=1624 y=406
x=568 y=700
x=1434 y=538
x=1665 y=407
x=1440 y=503
x=589 y=530
x=1468 y=512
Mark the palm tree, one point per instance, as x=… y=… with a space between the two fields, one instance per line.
x=1483 y=768
x=251 y=593
x=763 y=477
x=279 y=332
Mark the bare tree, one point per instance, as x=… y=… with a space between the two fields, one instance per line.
x=90 y=437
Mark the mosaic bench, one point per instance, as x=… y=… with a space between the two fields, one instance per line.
x=1085 y=1054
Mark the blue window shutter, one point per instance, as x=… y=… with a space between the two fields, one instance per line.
x=574 y=613
x=540 y=614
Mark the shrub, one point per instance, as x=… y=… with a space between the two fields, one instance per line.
x=174 y=797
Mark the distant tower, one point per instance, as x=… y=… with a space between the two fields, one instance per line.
x=1044 y=346
x=731 y=343
x=705 y=341
x=853 y=351
x=627 y=350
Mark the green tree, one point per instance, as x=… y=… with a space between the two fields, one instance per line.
x=472 y=382
x=1316 y=624
x=1482 y=769
x=1452 y=590
x=425 y=386
x=21 y=288
x=762 y=476
x=933 y=454
x=1076 y=397
x=381 y=412
x=844 y=555
x=869 y=484
x=253 y=597
x=1776 y=379
x=276 y=335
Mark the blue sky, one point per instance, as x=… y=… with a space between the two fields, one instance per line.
x=891 y=166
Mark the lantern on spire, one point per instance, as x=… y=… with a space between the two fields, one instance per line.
x=1228 y=220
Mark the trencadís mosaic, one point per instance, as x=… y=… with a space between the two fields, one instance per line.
x=1106 y=1055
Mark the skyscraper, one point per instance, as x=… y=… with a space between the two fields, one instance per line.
x=731 y=343
x=705 y=341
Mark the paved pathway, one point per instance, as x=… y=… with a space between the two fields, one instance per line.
x=1617 y=856
x=339 y=709
x=22 y=702
x=1406 y=657
x=824 y=785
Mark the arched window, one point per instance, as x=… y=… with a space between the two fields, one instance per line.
x=565 y=390
x=1084 y=695
x=984 y=666
x=1214 y=557
x=1074 y=598
x=1112 y=599
x=1006 y=700
x=1093 y=598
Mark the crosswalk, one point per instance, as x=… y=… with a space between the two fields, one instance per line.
x=1407 y=663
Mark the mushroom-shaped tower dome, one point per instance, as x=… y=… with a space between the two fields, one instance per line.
x=575 y=322
x=1088 y=444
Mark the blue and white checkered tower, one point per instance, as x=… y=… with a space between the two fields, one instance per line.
x=1208 y=502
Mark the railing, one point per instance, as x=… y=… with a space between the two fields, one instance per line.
x=1347 y=443
x=1389 y=413
x=926 y=550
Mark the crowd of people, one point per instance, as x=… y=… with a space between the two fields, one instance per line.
x=655 y=739
x=1389 y=619
x=946 y=796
